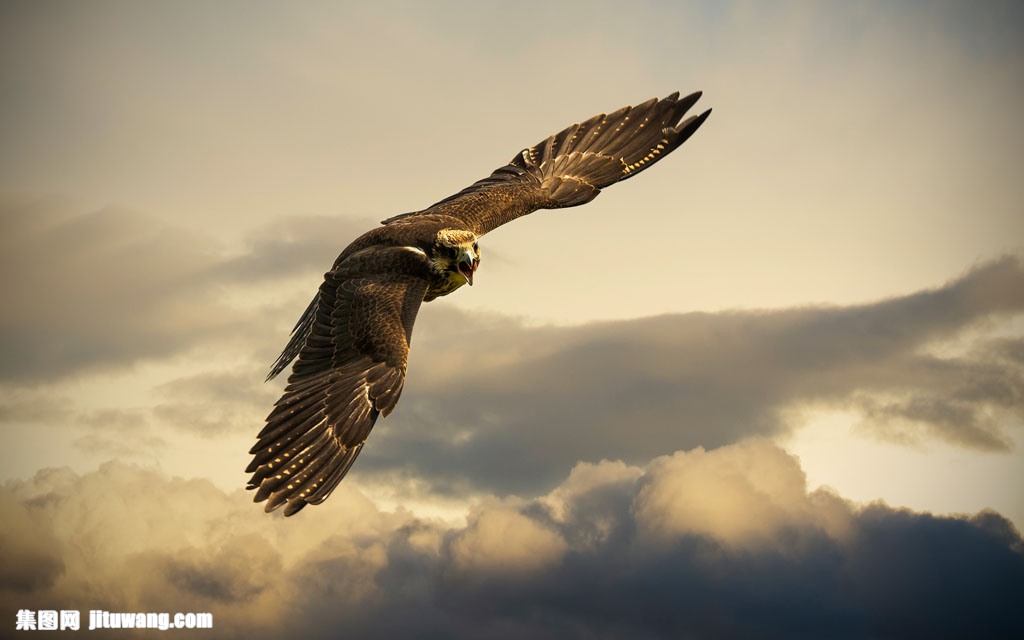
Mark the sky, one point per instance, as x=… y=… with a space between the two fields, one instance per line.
x=773 y=387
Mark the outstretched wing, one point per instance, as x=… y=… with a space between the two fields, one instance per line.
x=571 y=167
x=352 y=345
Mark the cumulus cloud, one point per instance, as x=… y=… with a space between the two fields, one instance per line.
x=134 y=540
x=497 y=404
x=700 y=543
x=483 y=547
x=758 y=490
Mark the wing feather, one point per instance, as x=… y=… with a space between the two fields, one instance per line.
x=350 y=369
x=571 y=167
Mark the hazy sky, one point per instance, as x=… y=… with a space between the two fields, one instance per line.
x=777 y=379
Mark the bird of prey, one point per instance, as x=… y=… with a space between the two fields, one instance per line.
x=351 y=345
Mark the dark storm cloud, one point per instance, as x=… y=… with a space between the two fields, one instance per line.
x=699 y=544
x=884 y=586
x=506 y=407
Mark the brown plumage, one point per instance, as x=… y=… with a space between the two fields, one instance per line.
x=352 y=342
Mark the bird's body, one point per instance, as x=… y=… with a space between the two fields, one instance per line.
x=351 y=345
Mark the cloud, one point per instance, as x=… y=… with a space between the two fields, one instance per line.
x=292 y=245
x=483 y=547
x=865 y=130
x=137 y=540
x=31 y=557
x=119 y=433
x=759 y=491
x=108 y=289
x=700 y=543
x=101 y=290
x=491 y=404
x=216 y=402
x=29 y=406
x=500 y=405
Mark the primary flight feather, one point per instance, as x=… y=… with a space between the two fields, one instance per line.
x=351 y=345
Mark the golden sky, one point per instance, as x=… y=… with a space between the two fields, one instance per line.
x=792 y=354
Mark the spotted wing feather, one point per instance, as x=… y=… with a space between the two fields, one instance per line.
x=352 y=355
x=571 y=167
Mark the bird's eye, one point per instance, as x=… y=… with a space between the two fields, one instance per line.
x=476 y=246
x=451 y=251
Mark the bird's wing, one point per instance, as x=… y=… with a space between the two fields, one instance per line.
x=352 y=345
x=571 y=167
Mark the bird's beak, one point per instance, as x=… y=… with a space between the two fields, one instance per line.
x=467 y=267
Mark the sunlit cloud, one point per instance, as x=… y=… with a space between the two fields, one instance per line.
x=590 y=554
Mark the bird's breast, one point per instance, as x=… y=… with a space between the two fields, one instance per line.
x=443 y=285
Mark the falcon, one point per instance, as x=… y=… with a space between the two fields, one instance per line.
x=351 y=345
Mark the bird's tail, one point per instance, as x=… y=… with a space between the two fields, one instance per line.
x=576 y=163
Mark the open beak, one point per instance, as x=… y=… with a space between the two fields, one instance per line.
x=468 y=268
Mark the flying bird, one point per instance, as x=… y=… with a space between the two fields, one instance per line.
x=351 y=345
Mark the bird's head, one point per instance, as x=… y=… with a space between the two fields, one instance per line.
x=456 y=253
